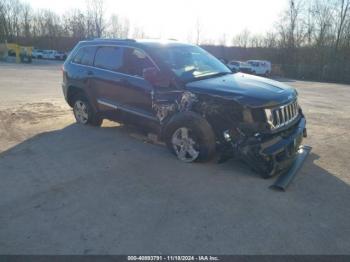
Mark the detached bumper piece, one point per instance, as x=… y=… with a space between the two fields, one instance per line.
x=285 y=179
x=282 y=154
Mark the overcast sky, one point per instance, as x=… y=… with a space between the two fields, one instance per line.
x=177 y=18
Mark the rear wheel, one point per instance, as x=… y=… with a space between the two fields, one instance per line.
x=83 y=112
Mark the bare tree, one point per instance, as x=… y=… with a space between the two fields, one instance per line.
x=95 y=16
x=323 y=19
x=10 y=12
x=342 y=15
x=256 y=41
x=75 y=24
x=3 y=21
x=242 y=39
x=270 y=40
x=291 y=29
x=26 y=20
x=119 y=27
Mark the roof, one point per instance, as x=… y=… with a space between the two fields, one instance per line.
x=136 y=43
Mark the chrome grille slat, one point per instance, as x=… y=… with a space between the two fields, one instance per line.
x=283 y=115
x=289 y=112
x=278 y=121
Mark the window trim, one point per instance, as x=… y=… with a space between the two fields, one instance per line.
x=107 y=70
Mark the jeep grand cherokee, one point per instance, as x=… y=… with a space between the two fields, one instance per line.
x=192 y=100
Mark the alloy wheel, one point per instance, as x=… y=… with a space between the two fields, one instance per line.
x=81 y=112
x=185 y=145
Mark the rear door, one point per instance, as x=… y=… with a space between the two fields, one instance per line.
x=107 y=83
x=80 y=75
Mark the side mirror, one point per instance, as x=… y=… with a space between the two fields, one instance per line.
x=152 y=75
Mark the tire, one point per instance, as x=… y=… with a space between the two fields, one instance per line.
x=200 y=142
x=84 y=113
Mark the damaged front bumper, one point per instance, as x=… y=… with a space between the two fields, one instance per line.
x=277 y=154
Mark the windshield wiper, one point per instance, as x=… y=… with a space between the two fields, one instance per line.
x=207 y=76
x=220 y=74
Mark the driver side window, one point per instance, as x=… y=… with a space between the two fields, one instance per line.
x=135 y=61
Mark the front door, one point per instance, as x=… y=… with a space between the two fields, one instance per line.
x=118 y=82
x=139 y=90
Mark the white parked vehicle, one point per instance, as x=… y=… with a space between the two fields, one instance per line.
x=37 y=53
x=60 y=56
x=260 y=67
x=238 y=66
x=49 y=54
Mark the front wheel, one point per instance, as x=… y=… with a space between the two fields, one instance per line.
x=190 y=138
x=84 y=113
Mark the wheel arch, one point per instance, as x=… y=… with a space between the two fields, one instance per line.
x=177 y=117
x=73 y=91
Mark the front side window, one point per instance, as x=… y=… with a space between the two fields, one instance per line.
x=135 y=61
x=191 y=63
x=110 y=58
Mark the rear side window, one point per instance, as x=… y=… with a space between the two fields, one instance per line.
x=110 y=58
x=85 y=56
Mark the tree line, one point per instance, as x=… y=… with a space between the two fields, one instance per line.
x=311 y=39
x=44 y=28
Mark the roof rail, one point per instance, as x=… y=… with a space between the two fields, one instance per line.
x=115 y=39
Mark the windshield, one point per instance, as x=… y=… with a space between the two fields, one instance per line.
x=191 y=63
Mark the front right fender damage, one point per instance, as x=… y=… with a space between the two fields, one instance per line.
x=282 y=154
x=238 y=135
x=267 y=154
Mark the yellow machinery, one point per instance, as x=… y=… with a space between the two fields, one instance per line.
x=23 y=53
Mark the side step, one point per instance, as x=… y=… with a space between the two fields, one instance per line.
x=285 y=179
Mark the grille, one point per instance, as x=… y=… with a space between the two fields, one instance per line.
x=282 y=116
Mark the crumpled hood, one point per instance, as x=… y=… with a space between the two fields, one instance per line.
x=248 y=90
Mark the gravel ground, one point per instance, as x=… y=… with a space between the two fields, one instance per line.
x=68 y=189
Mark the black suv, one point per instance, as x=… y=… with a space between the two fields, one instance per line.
x=191 y=99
